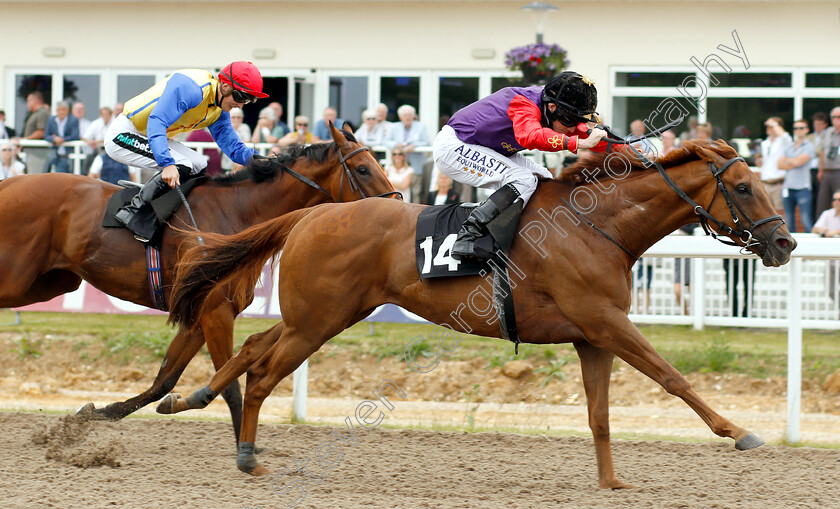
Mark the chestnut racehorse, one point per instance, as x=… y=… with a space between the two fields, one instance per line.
x=51 y=239
x=341 y=261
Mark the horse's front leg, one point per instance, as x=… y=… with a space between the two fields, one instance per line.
x=217 y=324
x=253 y=348
x=180 y=352
x=596 y=367
x=614 y=331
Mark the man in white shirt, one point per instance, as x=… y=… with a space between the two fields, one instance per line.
x=94 y=135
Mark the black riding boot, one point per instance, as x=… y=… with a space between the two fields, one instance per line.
x=153 y=188
x=475 y=226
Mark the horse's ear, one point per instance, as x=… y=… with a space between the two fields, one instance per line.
x=346 y=128
x=707 y=154
x=337 y=137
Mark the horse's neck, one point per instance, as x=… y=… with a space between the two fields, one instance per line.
x=642 y=210
x=258 y=202
x=652 y=209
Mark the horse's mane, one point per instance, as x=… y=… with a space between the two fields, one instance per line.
x=260 y=170
x=595 y=164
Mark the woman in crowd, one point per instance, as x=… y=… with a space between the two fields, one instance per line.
x=400 y=173
x=9 y=166
x=444 y=194
x=300 y=135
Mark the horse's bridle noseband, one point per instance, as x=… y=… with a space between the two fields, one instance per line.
x=354 y=183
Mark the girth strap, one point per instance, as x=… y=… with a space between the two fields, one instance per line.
x=155 y=277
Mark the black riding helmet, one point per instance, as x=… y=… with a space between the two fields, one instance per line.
x=575 y=97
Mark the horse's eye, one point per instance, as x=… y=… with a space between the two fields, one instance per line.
x=363 y=170
x=742 y=189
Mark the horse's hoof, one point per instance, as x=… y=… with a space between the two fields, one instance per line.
x=618 y=485
x=167 y=404
x=749 y=442
x=260 y=471
x=86 y=410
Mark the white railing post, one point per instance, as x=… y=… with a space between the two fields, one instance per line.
x=698 y=291
x=77 y=158
x=300 y=384
x=794 y=375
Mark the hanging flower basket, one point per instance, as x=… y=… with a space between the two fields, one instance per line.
x=537 y=62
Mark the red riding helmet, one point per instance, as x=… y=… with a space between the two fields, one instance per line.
x=243 y=76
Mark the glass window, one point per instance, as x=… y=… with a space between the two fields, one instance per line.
x=654 y=111
x=24 y=85
x=650 y=79
x=497 y=84
x=83 y=88
x=455 y=93
x=396 y=91
x=814 y=105
x=348 y=95
x=753 y=79
x=729 y=115
x=129 y=86
x=305 y=99
x=822 y=80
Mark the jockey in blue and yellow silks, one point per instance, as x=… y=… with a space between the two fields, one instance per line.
x=187 y=100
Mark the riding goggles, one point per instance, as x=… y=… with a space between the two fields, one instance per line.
x=243 y=97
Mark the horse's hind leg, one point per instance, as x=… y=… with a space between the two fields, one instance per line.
x=596 y=366
x=283 y=358
x=181 y=350
x=253 y=348
x=617 y=333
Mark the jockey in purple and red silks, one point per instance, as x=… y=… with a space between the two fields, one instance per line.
x=480 y=144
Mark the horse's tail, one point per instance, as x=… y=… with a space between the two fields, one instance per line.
x=226 y=259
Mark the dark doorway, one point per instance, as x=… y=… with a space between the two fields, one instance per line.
x=277 y=90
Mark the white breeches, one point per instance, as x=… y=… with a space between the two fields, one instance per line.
x=124 y=143
x=480 y=166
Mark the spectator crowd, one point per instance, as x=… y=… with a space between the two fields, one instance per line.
x=800 y=170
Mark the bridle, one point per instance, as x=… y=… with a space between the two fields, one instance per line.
x=354 y=183
x=351 y=178
x=744 y=234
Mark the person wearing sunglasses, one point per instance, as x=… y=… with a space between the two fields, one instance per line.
x=9 y=165
x=301 y=135
x=480 y=145
x=187 y=100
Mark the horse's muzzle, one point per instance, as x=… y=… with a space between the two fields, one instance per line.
x=779 y=247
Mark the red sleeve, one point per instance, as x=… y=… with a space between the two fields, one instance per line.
x=531 y=134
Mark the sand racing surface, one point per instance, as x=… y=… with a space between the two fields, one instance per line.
x=52 y=461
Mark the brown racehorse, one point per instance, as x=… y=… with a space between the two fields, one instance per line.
x=342 y=261
x=51 y=239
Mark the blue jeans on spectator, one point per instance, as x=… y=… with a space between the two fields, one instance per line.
x=59 y=164
x=802 y=199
